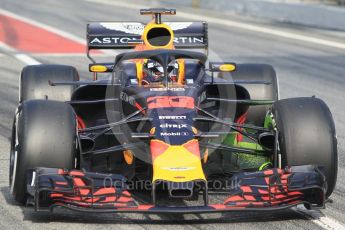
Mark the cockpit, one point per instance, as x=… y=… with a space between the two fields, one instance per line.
x=160 y=68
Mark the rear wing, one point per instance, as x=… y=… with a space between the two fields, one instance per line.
x=125 y=35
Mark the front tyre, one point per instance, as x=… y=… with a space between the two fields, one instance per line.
x=43 y=135
x=307 y=135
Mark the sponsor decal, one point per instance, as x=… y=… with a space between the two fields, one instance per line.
x=129 y=99
x=177 y=126
x=138 y=28
x=179 y=168
x=172 y=117
x=190 y=81
x=189 y=40
x=202 y=97
x=167 y=89
x=114 y=40
x=129 y=28
x=177 y=134
x=134 y=81
x=178 y=25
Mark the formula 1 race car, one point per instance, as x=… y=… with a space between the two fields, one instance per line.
x=167 y=131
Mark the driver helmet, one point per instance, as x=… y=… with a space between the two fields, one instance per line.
x=155 y=72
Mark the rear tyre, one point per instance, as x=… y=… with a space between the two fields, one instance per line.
x=34 y=82
x=307 y=135
x=44 y=135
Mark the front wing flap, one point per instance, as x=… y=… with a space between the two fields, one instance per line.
x=270 y=189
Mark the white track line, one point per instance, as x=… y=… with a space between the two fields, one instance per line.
x=26 y=59
x=235 y=24
x=6 y=48
x=317 y=218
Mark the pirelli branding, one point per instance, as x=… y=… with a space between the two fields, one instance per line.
x=172 y=117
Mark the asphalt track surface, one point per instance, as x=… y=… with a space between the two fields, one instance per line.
x=305 y=68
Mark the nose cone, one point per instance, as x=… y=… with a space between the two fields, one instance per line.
x=176 y=163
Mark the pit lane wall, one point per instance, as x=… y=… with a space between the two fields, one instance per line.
x=313 y=15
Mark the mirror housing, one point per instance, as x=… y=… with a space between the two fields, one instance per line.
x=222 y=66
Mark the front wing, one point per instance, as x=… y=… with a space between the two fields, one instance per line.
x=270 y=189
